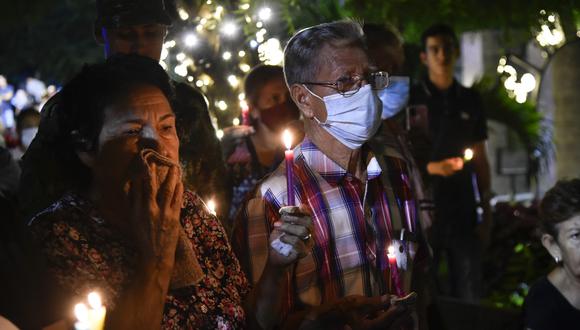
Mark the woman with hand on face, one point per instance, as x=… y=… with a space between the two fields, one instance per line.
x=126 y=227
x=554 y=301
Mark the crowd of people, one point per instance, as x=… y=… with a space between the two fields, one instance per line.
x=345 y=230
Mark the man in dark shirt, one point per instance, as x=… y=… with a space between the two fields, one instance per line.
x=136 y=27
x=446 y=119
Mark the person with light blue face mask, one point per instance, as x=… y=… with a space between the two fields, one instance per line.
x=394 y=98
x=341 y=184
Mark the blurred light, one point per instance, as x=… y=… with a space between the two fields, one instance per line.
x=253 y=43
x=510 y=70
x=260 y=35
x=199 y=28
x=245 y=6
x=248 y=19
x=191 y=40
x=234 y=81
x=181 y=70
x=265 y=13
x=229 y=29
x=502 y=61
x=510 y=83
x=500 y=68
x=552 y=18
x=94 y=300
x=271 y=52
x=259 y=25
x=183 y=14
x=163 y=65
x=219 y=10
x=236 y=121
x=164 y=53
x=219 y=133
x=180 y=57
x=227 y=55
x=245 y=67
x=242 y=96
x=169 y=44
x=528 y=81
x=241 y=53
x=199 y=83
x=542 y=12
x=222 y=105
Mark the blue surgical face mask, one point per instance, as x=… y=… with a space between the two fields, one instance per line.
x=352 y=120
x=395 y=96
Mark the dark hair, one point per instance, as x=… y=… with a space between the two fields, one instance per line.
x=260 y=75
x=27 y=112
x=301 y=55
x=439 y=30
x=84 y=99
x=73 y=122
x=560 y=203
x=381 y=35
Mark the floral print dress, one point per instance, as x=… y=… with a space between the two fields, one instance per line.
x=86 y=255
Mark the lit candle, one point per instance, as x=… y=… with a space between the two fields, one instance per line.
x=92 y=318
x=289 y=155
x=82 y=315
x=395 y=271
x=468 y=154
x=211 y=206
x=245 y=113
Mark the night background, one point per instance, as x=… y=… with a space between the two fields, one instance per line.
x=521 y=55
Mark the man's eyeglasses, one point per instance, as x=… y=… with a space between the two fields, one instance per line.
x=348 y=86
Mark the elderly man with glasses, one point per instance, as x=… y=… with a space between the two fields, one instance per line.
x=357 y=209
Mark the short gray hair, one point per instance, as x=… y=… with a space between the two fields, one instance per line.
x=301 y=55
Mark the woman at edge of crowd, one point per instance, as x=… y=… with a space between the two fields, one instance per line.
x=127 y=227
x=553 y=301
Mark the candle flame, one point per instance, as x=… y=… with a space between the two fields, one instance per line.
x=211 y=205
x=94 y=300
x=468 y=154
x=287 y=139
x=81 y=312
x=391 y=249
x=244 y=106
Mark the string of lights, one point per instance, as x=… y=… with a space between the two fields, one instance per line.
x=216 y=46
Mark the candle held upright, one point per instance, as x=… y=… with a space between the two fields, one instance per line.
x=396 y=280
x=289 y=156
x=245 y=113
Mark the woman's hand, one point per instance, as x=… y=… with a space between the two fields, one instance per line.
x=292 y=237
x=156 y=208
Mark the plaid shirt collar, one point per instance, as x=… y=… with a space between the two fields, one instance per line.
x=329 y=169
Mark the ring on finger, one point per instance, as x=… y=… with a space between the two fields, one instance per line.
x=306 y=237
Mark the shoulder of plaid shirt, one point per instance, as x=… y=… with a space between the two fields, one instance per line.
x=255 y=219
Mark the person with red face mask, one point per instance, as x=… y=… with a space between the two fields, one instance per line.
x=253 y=150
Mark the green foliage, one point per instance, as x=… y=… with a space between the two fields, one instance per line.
x=523 y=119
